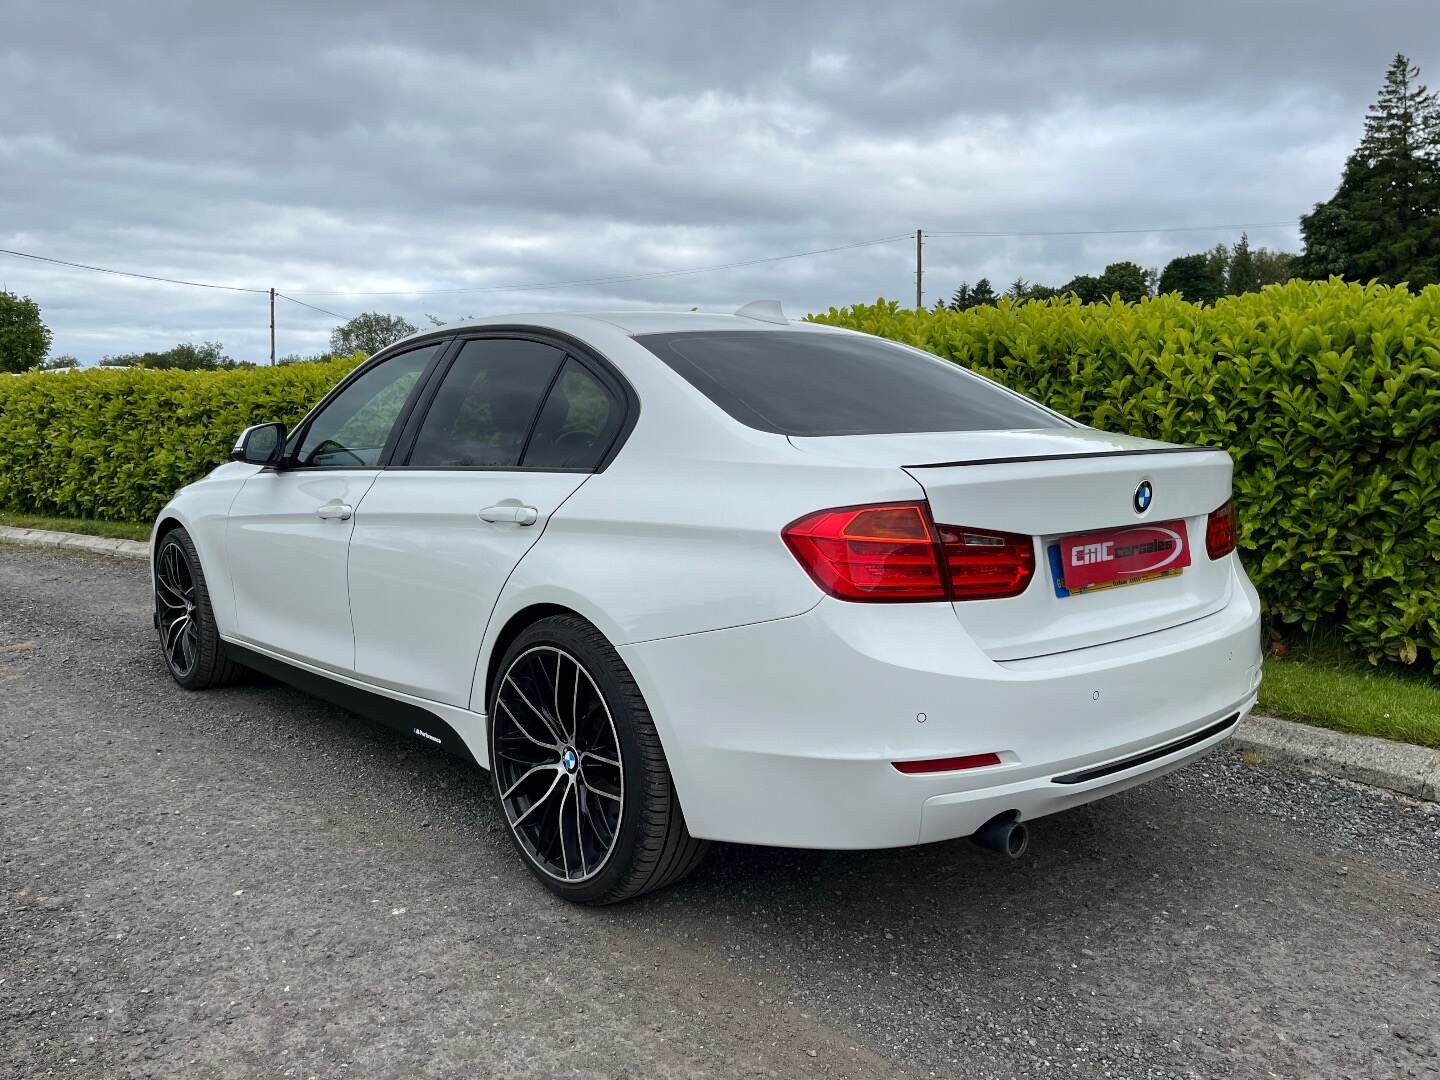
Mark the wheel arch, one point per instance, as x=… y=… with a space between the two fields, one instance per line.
x=205 y=524
x=167 y=523
x=513 y=627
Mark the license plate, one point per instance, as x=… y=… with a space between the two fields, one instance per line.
x=1088 y=562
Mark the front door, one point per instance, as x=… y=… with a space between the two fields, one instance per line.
x=513 y=429
x=289 y=530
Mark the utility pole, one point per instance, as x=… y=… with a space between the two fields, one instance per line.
x=919 y=273
x=272 y=327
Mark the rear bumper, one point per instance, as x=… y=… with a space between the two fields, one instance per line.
x=784 y=732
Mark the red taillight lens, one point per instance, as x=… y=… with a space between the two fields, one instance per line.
x=883 y=553
x=986 y=565
x=894 y=552
x=1221 y=531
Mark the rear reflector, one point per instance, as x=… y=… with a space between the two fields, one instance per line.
x=894 y=552
x=1221 y=531
x=947 y=764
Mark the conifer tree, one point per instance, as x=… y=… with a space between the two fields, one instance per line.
x=1384 y=220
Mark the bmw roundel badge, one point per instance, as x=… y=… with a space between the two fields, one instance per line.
x=1143 y=494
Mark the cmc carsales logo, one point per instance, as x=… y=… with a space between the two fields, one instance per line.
x=1165 y=547
x=1098 y=558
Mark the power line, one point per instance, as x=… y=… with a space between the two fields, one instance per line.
x=647 y=276
x=312 y=307
x=612 y=280
x=1119 y=232
x=488 y=288
x=128 y=273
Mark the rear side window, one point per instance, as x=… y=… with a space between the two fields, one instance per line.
x=484 y=408
x=577 y=425
x=797 y=383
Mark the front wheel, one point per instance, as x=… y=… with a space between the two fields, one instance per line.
x=189 y=638
x=579 y=771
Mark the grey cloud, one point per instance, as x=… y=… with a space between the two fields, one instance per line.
x=333 y=146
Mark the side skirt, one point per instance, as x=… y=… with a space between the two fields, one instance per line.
x=406 y=717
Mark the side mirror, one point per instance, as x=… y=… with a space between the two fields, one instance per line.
x=263 y=444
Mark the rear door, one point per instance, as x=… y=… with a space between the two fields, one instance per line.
x=506 y=434
x=289 y=529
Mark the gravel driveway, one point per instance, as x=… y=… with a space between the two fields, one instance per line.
x=248 y=882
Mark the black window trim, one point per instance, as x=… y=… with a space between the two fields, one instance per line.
x=571 y=348
x=296 y=438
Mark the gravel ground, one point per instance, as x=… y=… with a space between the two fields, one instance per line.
x=251 y=883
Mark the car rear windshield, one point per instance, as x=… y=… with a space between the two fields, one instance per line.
x=806 y=383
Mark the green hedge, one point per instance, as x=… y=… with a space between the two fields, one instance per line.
x=1326 y=394
x=115 y=444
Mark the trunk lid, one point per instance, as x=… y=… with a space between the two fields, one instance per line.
x=1049 y=485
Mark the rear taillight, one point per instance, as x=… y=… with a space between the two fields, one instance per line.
x=1221 y=531
x=877 y=553
x=894 y=552
x=986 y=565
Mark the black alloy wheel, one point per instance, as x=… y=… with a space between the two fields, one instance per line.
x=184 y=619
x=579 y=771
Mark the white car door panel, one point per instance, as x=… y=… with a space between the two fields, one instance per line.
x=511 y=429
x=288 y=539
x=427 y=564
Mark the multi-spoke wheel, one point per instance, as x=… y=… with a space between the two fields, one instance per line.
x=557 y=763
x=193 y=650
x=579 y=771
x=175 y=610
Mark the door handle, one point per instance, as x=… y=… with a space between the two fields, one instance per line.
x=520 y=515
x=335 y=511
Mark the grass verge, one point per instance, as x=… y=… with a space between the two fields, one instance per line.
x=115 y=530
x=1324 y=686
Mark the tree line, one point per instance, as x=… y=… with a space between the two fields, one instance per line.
x=1203 y=278
x=25 y=341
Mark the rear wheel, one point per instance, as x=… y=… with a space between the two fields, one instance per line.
x=184 y=619
x=579 y=771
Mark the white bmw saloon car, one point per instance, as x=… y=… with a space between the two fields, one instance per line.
x=675 y=578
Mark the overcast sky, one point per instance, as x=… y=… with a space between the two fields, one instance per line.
x=332 y=148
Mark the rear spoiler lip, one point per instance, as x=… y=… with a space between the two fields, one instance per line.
x=1069 y=457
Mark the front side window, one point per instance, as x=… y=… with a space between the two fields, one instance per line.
x=484 y=409
x=353 y=428
x=793 y=382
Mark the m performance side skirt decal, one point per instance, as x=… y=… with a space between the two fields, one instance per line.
x=400 y=716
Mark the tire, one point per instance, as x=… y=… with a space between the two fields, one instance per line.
x=594 y=828
x=189 y=639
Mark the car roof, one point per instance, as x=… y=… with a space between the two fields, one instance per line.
x=631 y=322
